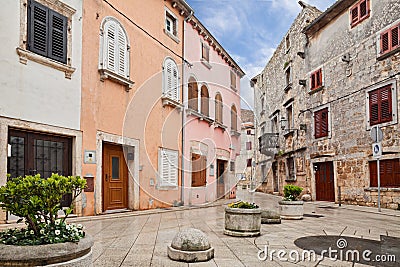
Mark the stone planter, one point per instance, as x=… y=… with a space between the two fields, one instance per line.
x=242 y=222
x=62 y=254
x=291 y=210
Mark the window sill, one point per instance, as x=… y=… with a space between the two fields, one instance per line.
x=321 y=138
x=206 y=63
x=106 y=74
x=388 y=54
x=361 y=20
x=290 y=180
x=288 y=132
x=25 y=55
x=192 y=112
x=313 y=91
x=382 y=124
x=288 y=87
x=233 y=88
x=387 y=189
x=220 y=125
x=168 y=101
x=173 y=37
x=207 y=119
x=166 y=187
x=235 y=133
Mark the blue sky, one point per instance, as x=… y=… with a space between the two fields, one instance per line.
x=250 y=29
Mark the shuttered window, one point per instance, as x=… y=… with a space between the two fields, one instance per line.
x=115 y=49
x=205 y=101
x=321 y=127
x=205 y=52
x=380 y=105
x=233 y=118
x=248 y=145
x=218 y=108
x=168 y=167
x=359 y=12
x=170 y=80
x=199 y=170
x=47 y=32
x=390 y=40
x=316 y=79
x=389 y=173
x=233 y=80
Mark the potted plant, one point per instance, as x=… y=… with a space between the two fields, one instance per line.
x=46 y=239
x=242 y=219
x=291 y=207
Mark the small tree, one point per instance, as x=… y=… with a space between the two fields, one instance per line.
x=38 y=201
x=291 y=192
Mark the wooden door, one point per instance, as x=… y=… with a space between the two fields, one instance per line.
x=115 y=178
x=325 y=187
x=275 y=176
x=220 y=178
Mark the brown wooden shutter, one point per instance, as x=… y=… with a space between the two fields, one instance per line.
x=385 y=46
x=318 y=76
x=386 y=104
x=374 y=107
x=363 y=9
x=58 y=36
x=38 y=28
x=321 y=123
x=395 y=37
x=324 y=122
x=354 y=15
x=313 y=81
x=317 y=124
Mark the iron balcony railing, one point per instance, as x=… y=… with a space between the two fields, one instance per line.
x=268 y=142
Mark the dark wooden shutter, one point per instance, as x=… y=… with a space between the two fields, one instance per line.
x=395 y=37
x=313 y=80
x=324 y=122
x=386 y=104
x=321 y=123
x=354 y=15
x=385 y=42
x=363 y=8
x=389 y=173
x=58 y=37
x=38 y=28
x=317 y=124
x=374 y=107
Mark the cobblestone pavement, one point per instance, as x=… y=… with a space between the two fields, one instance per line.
x=141 y=238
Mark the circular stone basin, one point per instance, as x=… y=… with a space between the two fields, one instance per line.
x=190 y=245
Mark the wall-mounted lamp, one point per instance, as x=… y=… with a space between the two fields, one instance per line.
x=301 y=54
x=303 y=82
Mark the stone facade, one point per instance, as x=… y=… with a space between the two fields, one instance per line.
x=352 y=66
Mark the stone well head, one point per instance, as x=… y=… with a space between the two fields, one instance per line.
x=190 y=245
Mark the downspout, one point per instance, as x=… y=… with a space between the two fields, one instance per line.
x=183 y=111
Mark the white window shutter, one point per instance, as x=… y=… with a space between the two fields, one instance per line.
x=175 y=79
x=122 y=53
x=171 y=80
x=169 y=168
x=173 y=170
x=110 y=31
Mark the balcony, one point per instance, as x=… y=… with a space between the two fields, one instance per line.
x=268 y=142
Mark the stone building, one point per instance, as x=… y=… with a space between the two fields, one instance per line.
x=348 y=86
x=244 y=169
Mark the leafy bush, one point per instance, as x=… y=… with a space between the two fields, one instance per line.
x=243 y=205
x=38 y=201
x=291 y=192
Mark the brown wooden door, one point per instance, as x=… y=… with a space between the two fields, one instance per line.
x=220 y=178
x=325 y=187
x=115 y=178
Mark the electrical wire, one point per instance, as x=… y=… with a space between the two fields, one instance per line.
x=147 y=33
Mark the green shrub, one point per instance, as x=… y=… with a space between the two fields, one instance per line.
x=291 y=192
x=37 y=201
x=242 y=205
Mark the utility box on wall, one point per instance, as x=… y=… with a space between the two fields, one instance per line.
x=89 y=182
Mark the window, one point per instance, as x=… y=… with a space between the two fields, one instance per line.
x=205 y=52
x=262 y=130
x=232 y=167
x=205 y=101
x=290 y=169
x=47 y=32
x=249 y=161
x=287 y=42
x=288 y=77
x=248 y=132
x=171 y=80
x=218 y=108
x=316 y=80
x=233 y=80
x=193 y=94
x=199 y=170
x=321 y=123
x=274 y=124
x=389 y=40
x=114 y=56
x=359 y=12
x=380 y=105
x=171 y=25
x=233 y=118
x=389 y=170
x=168 y=168
x=289 y=116
x=262 y=103
x=248 y=145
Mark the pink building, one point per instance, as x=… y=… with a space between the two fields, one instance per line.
x=211 y=138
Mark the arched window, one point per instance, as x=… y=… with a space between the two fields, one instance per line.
x=233 y=118
x=170 y=79
x=114 y=54
x=218 y=108
x=205 y=101
x=193 y=92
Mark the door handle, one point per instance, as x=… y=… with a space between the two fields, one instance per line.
x=106 y=177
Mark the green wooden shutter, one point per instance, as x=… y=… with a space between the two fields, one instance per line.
x=58 y=36
x=38 y=28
